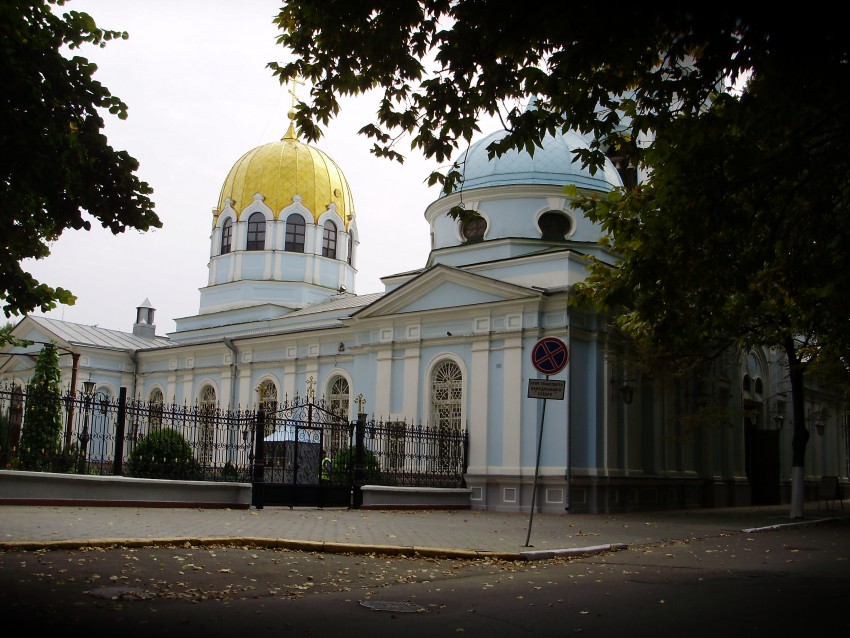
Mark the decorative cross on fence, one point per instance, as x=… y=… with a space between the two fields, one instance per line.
x=311 y=388
x=360 y=401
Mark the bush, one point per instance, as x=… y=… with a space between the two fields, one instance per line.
x=229 y=472
x=342 y=466
x=163 y=454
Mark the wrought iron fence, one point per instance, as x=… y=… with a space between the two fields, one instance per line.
x=409 y=455
x=99 y=434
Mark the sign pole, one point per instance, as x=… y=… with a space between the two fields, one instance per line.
x=536 y=471
x=549 y=356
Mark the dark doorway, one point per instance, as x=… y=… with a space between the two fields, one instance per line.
x=762 y=464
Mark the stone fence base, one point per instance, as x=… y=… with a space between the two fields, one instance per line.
x=43 y=488
x=419 y=498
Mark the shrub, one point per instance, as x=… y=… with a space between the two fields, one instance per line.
x=163 y=454
x=229 y=472
x=342 y=466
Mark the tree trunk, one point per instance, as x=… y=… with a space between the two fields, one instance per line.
x=801 y=434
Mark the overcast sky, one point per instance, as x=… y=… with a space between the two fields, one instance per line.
x=193 y=74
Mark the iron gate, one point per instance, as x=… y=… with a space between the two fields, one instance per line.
x=297 y=436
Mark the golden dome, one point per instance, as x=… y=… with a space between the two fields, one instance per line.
x=281 y=170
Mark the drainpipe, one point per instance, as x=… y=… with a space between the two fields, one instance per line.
x=132 y=354
x=233 y=371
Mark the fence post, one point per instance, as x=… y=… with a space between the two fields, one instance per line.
x=259 y=460
x=118 y=464
x=359 y=457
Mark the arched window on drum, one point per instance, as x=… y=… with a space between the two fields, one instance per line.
x=226 y=236
x=295 y=231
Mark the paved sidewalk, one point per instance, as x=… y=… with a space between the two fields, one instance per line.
x=460 y=533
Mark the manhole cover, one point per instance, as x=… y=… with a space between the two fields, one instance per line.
x=386 y=605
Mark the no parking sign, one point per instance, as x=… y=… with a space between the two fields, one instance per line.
x=550 y=355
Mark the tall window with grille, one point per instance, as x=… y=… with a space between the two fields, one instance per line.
x=446 y=413
x=396 y=436
x=156 y=403
x=295 y=232
x=340 y=394
x=267 y=397
x=208 y=408
x=256 y=232
x=226 y=236
x=329 y=240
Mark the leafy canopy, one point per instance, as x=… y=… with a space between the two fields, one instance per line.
x=441 y=65
x=738 y=229
x=56 y=162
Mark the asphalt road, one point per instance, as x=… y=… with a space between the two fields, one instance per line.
x=785 y=582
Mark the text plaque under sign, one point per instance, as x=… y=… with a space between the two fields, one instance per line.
x=546 y=389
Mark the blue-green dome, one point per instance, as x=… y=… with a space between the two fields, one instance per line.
x=552 y=164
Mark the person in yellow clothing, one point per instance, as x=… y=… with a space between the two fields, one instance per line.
x=326 y=469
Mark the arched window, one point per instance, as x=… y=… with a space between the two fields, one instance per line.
x=208 y=409
x=554 y=225
x=339 y=396
x=329 y=240
x=446 y=395
x=156 y=403
x=226 y=235
x=256 y=232
x=295 y=229
x=267 y=397
x=350 y=249
x=267 y=392
x=446 y=449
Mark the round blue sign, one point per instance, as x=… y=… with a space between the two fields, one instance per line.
x=550 y=355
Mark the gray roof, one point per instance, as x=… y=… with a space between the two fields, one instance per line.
x=335 y=303
x=79 y=334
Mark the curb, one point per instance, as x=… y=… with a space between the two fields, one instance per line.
x=313 y=546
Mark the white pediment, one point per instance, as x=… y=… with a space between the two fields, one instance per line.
x=443 y=287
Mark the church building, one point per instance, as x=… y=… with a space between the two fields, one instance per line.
x=452 y=343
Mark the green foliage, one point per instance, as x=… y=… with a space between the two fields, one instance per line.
x=5 y=440
x=734 y=238
x=164 y=454
x=441 y=66
x=41 y=434
x=342 y=466
x=56 y=162
x=229 y=472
